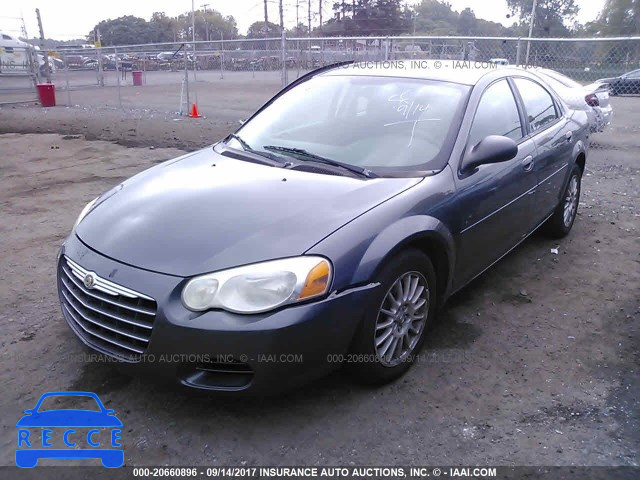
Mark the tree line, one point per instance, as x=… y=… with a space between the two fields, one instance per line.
x=554 y=18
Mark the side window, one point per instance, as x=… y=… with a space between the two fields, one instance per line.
x=497 y=114
x=537 y=102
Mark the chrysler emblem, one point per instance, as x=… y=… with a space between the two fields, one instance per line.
x=89 y=280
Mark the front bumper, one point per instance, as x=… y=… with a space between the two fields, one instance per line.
x=223 y=351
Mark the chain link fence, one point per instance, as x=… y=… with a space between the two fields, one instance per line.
x=584 y=60
x=18 y=75
x=171 y=77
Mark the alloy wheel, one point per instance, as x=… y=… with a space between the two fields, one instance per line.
x=401 y=319
x=571 y=201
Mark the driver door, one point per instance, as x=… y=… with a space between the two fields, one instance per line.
x=494 y=201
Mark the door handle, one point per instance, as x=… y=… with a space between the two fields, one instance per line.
x=568 y=136
x=527 y=163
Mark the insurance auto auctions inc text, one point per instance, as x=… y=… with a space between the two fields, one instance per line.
x=375 y=472
x=421 y=64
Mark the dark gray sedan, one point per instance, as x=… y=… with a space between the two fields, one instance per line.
x=327 y=230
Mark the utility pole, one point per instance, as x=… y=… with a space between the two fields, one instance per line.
x=533 y=18
x=45 y=55
x=266 y=20
x=320 y=13
x=193 y=35
x=281 y=18
x=206 y=23
x=309 y=18
x=297 y=16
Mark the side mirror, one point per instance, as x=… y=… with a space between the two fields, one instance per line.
x=491 y=149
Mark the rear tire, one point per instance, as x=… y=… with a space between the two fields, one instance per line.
x=560 y=223
x=393 y=329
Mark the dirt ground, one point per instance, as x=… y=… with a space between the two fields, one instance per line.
x=534 y=363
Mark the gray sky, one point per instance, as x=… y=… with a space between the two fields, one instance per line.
x=68 y=19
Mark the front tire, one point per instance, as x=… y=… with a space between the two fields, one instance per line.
x=394 y=326
x=560 y=223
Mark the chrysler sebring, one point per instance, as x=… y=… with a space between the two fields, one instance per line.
x=326 y=230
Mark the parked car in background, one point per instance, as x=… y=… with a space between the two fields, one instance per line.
x=239 y=64
x=626 y=84
x=592 y=98
x=382 y=191
x=75 y=61
x=14 y=55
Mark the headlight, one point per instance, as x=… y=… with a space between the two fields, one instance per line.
x=259 y=287
x=84 y=212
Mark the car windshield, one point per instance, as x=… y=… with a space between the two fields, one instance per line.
x=69 y=402
x=379 y=123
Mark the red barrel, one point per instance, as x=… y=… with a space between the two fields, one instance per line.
x=137 y=78
x=47 y=94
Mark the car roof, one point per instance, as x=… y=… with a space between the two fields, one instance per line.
x=466 y=72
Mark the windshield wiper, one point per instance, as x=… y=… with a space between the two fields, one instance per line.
x=244 y=144
x=247 y=148
x=319 y=159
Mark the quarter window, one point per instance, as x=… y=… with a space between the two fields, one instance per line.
x=538 y=104
x=497 y=114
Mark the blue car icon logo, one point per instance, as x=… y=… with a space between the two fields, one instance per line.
x=64 y=423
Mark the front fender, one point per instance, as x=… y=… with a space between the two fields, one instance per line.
x=416 y=229
x=373 y=244
x=359 y=248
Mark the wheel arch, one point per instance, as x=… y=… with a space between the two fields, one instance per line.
x=424 y=233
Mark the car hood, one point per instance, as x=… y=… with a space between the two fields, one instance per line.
x=204 y=212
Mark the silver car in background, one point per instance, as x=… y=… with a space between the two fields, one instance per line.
x=592 y=98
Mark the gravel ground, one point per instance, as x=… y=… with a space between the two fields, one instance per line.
x=534 y=363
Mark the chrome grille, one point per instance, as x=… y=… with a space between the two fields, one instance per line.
x=107 y=316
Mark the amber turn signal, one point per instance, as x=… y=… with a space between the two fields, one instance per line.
x=317 y=281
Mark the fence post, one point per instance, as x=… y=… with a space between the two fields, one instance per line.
x=221 y=55
x=186 y=78
x=34 y=66
x=100 y=62
x=66 y=78
x=115 y=54
x=386 y=48
x=195 y=78
x=284 y=59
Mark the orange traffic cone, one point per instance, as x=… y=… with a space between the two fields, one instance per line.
x=194 y=111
